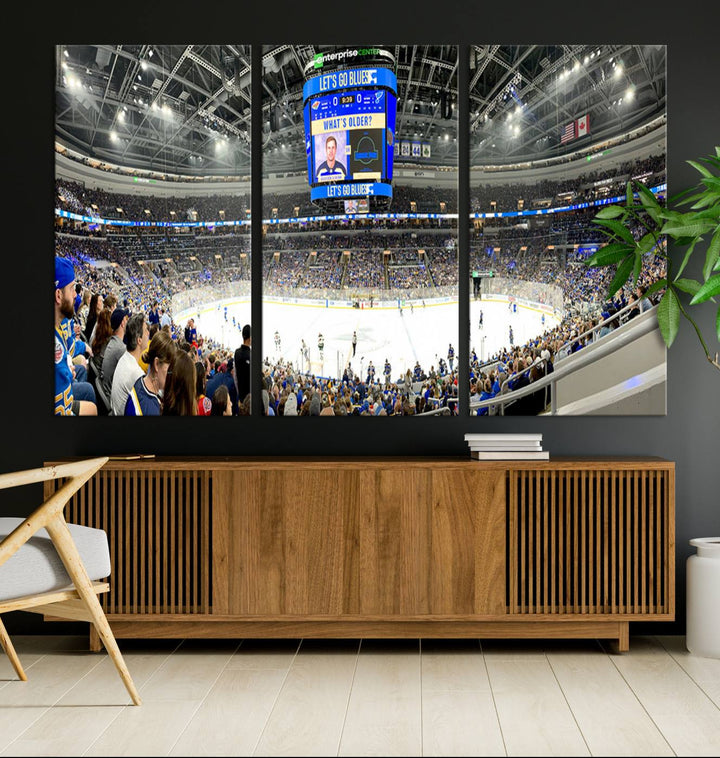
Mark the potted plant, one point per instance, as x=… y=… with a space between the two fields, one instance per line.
x=641 y=226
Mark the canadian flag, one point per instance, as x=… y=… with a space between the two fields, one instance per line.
x=582 y=125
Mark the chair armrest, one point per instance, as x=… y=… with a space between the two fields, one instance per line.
x=44 y=474
x=77 y=474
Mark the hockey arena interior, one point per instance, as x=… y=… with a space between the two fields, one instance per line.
x=361 y=261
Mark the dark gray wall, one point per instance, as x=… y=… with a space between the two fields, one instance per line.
x=688 y=435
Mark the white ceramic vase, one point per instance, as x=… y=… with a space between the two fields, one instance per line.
x=702 y=634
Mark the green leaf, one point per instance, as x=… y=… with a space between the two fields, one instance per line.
x=681 y=197
x=671 y=215
x=655 y=286
x=712 y=182
x=686 y=258
x=713 y=255
x=615 y=226
x=621 y=275
x=629 y=196
x=704 y=199
x=688 y=228
x=650 y=203
x=637 y=267
x=687 y=285
x=708 y=290
x=704 y=171
x=668 y=316
x=609 y=254
x=610 y=211
x=711 y=214
x=646 y=244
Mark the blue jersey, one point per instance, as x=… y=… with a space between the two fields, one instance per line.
x=324 y=172
x=74 y=346
x=63 y=375
x=142 y=402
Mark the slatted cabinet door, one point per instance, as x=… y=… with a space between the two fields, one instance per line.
x=158 y=524
x=590 y=541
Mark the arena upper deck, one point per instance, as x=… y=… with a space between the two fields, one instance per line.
x=186 y=109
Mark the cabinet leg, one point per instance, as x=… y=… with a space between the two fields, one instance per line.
x=95 y=643
x=624 y=638
x=622 y=643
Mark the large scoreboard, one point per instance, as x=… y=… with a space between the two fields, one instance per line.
x=349 y=118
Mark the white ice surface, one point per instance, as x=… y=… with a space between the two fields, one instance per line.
x=417 y=334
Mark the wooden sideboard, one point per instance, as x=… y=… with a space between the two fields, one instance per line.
x=384 y=547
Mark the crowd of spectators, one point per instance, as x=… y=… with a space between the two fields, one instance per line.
x=137 y=271
x=516 y=366
x=124 y=356
x=75 y=197
x=593 y=185
x=289 y=392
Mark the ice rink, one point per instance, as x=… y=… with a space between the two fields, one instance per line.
x=417 y=333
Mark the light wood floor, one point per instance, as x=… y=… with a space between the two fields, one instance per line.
x=356 y=698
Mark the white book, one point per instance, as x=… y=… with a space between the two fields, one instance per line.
x=529 y=446
x=502 y=437
x=497 y=455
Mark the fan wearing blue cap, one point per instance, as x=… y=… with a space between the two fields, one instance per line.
x=65 y=403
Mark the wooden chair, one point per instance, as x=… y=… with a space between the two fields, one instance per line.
x=33 y=579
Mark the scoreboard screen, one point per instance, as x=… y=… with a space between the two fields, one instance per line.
x=350 y=133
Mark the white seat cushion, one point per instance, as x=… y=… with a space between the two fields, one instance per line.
x=36 y=567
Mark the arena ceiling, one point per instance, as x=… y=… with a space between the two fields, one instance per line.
x=185 y=109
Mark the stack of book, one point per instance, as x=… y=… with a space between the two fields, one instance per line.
x=500 y=447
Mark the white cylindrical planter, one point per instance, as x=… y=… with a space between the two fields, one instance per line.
x=702 y=634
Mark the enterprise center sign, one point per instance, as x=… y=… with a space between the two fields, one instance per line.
x=352 y=56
